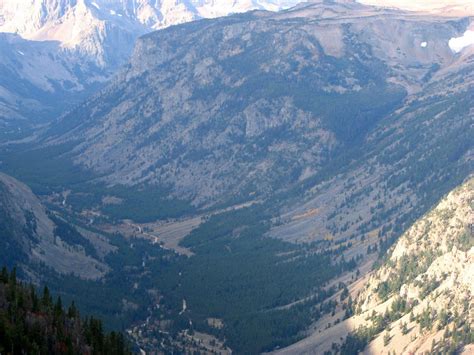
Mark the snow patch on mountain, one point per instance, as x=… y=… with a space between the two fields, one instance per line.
x=457 y=44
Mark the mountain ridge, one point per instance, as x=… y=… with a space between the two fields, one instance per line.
x=58 y=52
x=282 y=152
x=96 y=28
x=158 y=110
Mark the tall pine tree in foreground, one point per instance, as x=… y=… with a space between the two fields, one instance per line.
x=38 y=324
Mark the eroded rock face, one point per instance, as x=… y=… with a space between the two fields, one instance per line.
x=440 y=242
x=40 y=80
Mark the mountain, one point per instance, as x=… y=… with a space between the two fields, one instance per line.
x=426 y=284
x=57 y=52
x=80 y=26
x=248 y=168
x=105 y=30
x=32 y=238
x=69 y=48
x=54 y=54
x=264 y=105
x=39 y=81
x=419 y=297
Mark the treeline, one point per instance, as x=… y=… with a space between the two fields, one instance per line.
x=32 y=323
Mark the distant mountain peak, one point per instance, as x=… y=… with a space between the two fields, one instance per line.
x=98 y=28
x=91 y=40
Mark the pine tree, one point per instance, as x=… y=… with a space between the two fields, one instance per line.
x=4 y=275
x=30 y=325
x=12 y=280
x=72 y=311
x=46 y=300
x=58 y=307
x=446 y=333
x=34 y=300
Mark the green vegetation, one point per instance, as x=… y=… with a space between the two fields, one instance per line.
x=70 y=235
x=44 y=169
x=457 y=335
x=50 y=169
x=358 y=340
x=407 y=268
x=351 y=116
x=114 y=299
x=466 y=240
x=266 y=291
x=246 y=279
x=139 y=203
x=34 y=324
x=236 y=274
x=404 y=328
x=144 y=204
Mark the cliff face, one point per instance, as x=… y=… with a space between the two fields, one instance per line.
x=440 y=242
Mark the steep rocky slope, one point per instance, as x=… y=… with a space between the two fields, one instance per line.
x=401 y=169
x=334 y=124
x=92 y=39
x=427 y=283
x=30 y=236
x=421 y=297
x=79 y=26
